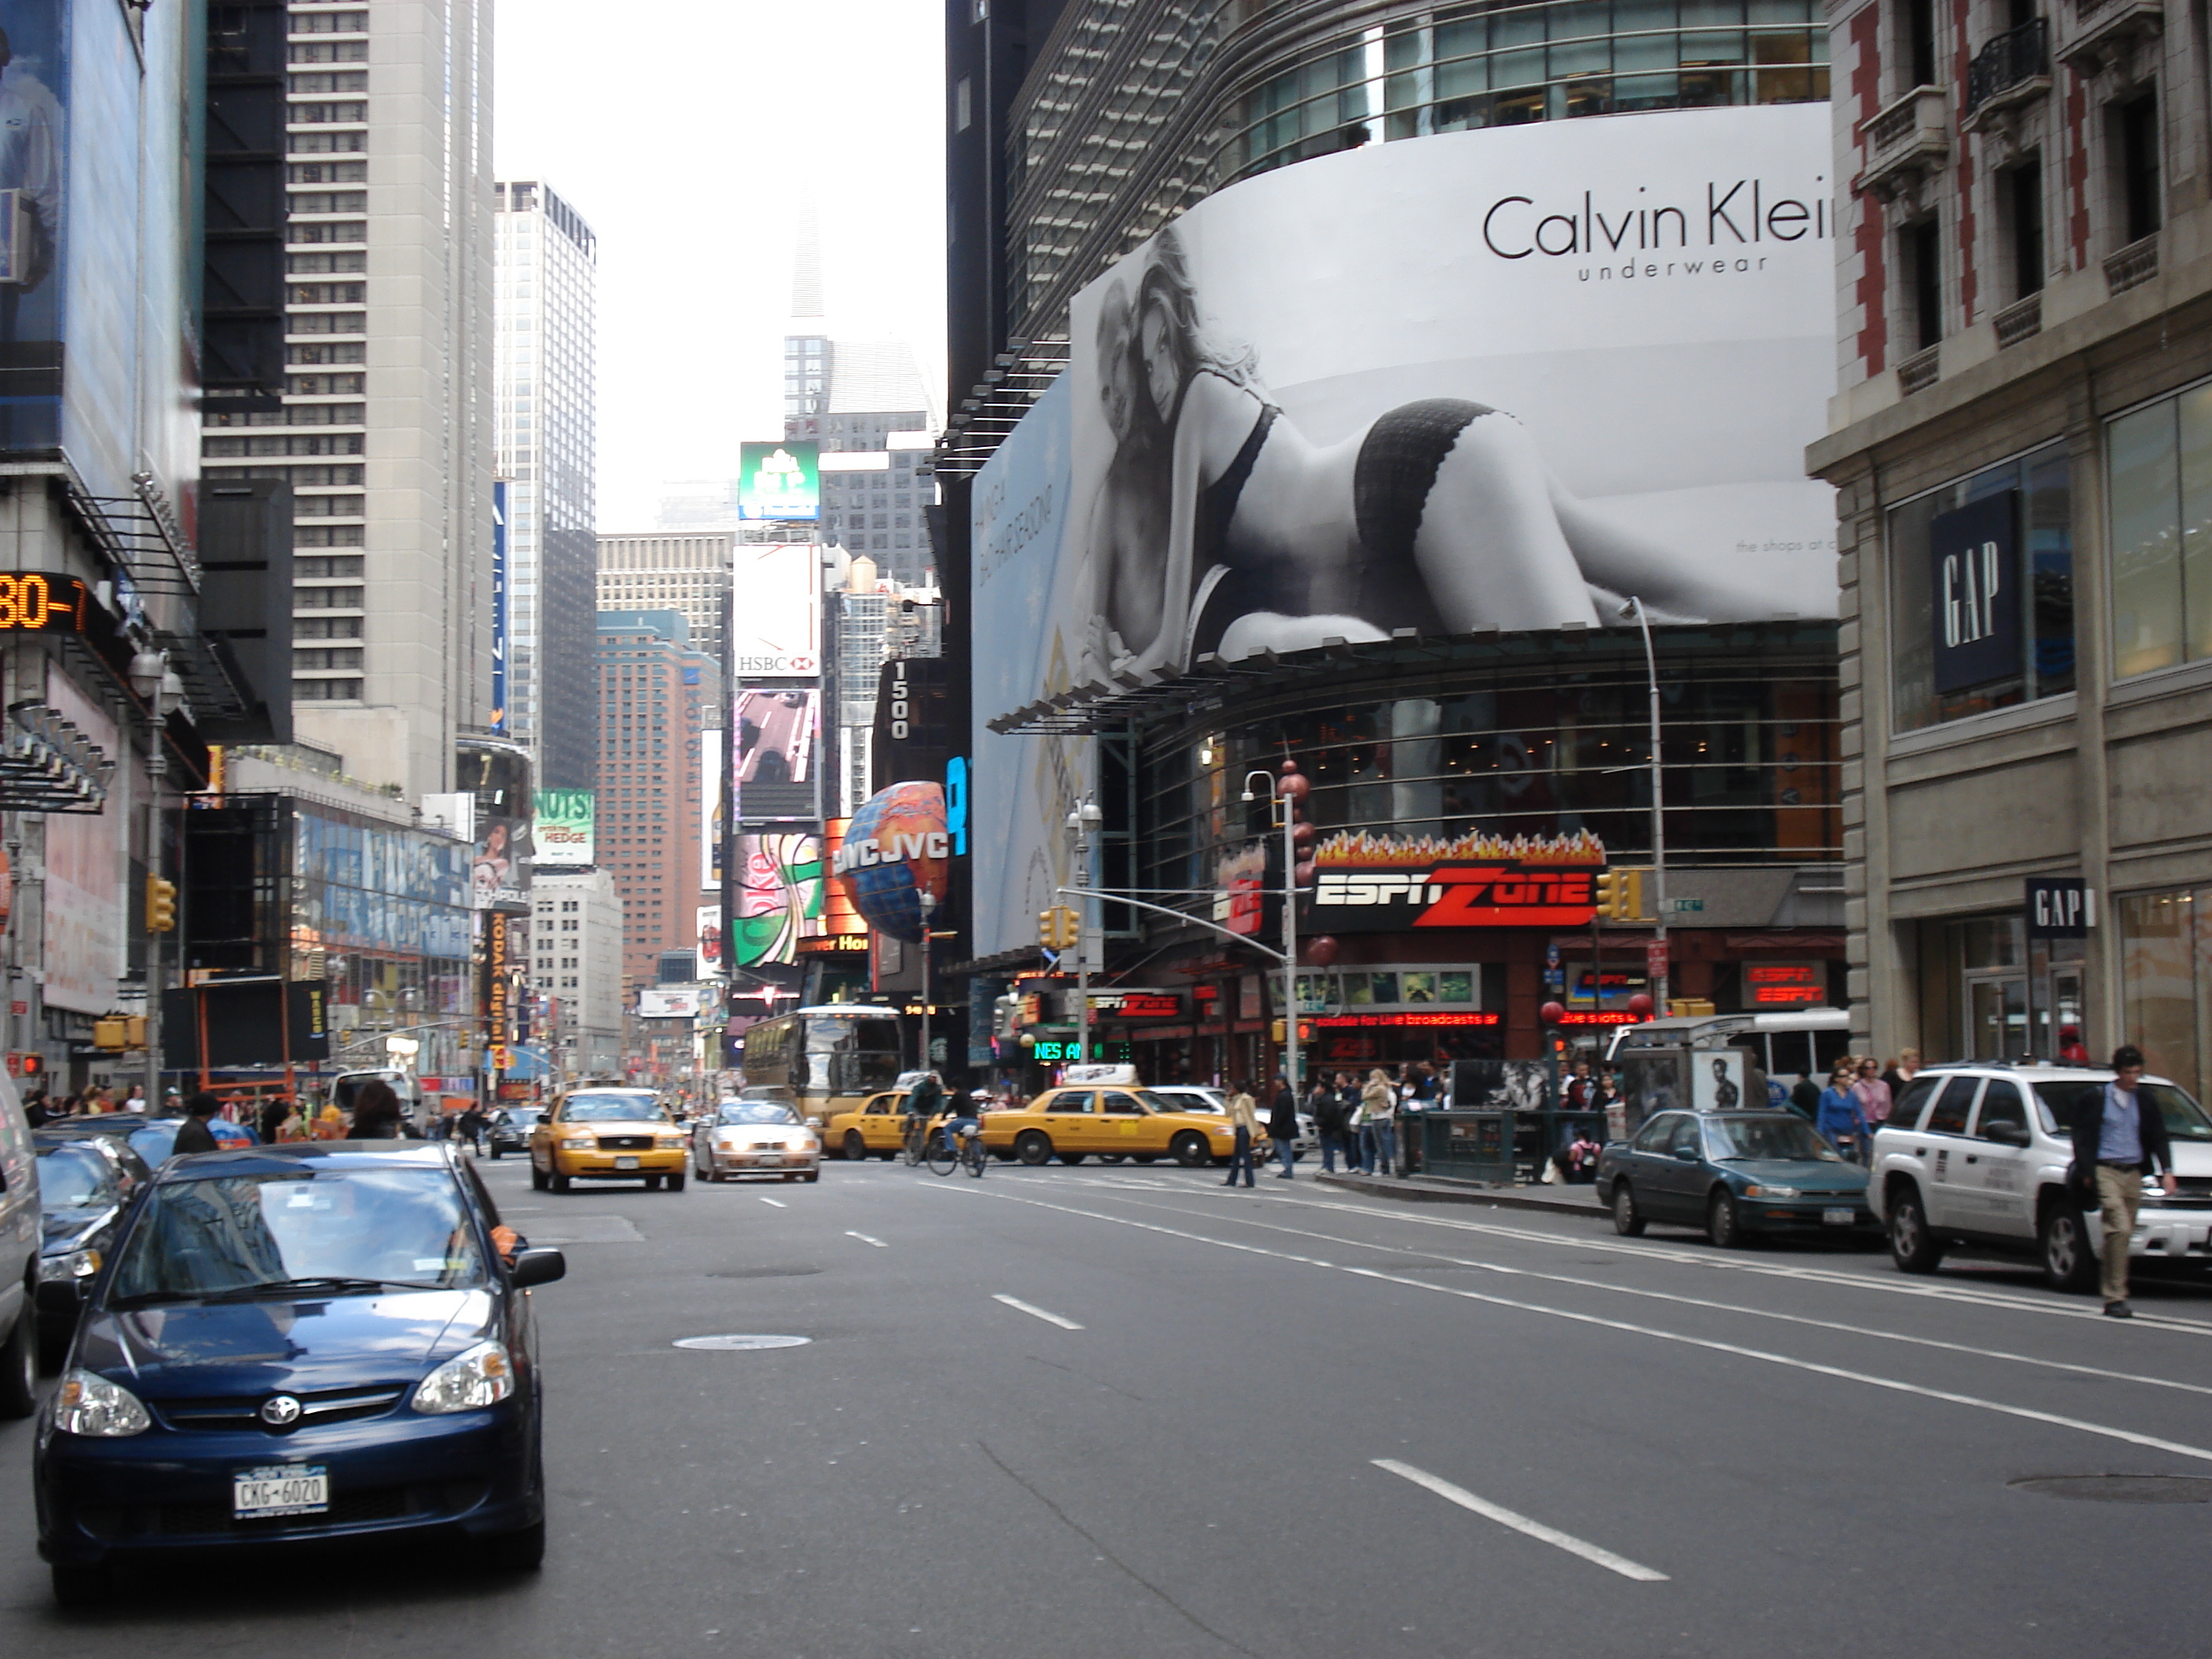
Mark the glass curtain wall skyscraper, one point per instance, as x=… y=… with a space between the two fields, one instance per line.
x=547 y=355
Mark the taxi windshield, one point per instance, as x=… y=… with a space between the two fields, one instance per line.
x=755 y=1111
x=333 y=1231
x=610 y=1109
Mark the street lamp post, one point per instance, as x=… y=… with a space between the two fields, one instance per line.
x=927 y=900
x=1081 y=822
x=1280 y=804
x=1633 y=609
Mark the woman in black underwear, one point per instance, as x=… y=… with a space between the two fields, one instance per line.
x=1220 y=527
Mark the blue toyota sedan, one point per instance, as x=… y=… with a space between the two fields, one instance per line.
x=1735 y=1174
x=296 y=1345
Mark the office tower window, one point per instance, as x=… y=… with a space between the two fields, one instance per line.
x=2023 y=202
x=2135 y=131
x=1921 y=275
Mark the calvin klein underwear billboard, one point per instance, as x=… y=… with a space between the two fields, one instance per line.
x=1496 y=379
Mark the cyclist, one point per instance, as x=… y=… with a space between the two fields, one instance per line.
x=963 y=1119
x=923 y=1102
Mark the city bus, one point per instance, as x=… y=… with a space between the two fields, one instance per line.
x=824 y=1059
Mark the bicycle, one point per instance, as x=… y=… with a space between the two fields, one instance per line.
x=916 y=1140
x=945 y=1157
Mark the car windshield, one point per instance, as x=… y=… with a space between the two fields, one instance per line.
x=2185 y=1118
x=610 y=1109
x=335 y=1231
x=74 y=1178
x=1763 y=1137
x=521 y=1117
x=755 y=1111
x=1160 y=1102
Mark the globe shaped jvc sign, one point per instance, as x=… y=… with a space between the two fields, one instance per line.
x=894 y=850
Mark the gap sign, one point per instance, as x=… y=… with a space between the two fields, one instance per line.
x=2060 y=907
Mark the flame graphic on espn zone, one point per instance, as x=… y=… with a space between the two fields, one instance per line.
x=1475 y=880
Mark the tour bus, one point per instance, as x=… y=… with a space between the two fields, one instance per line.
x=823 y=1060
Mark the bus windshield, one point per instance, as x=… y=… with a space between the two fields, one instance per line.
x=856 y=1056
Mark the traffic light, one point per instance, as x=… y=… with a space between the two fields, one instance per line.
x=1620 y=894
x=1059 y=928
x=161 y=905
x=1609 y=893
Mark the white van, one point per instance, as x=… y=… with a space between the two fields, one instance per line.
x=19 y=1258
x=1803 y=1041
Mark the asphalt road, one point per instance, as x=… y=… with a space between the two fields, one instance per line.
x=1121 y=1412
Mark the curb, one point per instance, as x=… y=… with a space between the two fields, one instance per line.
x=1418 y=1191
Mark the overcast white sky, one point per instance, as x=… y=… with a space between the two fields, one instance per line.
x=688 y=132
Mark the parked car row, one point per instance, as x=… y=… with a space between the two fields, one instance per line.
x=1976 y=1155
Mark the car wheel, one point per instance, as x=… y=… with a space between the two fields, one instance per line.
x=1189 y=1149
x=495 y=1153
x=537 y=1179
x=558 y=1181
x=521 y=1551
x=1911 y=1246
x=19 y=1365
x=675 y=1181
x=1033 y=1147
x=814 y=1174
x=2068 y=1263
x=1724 y=1225
x=652 y=1183
x=791 y=1175
x=1627 y=1219
x=856 y=1149
x=1113 y=1157
x=77 y=1587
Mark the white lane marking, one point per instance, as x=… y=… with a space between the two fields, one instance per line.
x=1037 y=1313
x=864 y=1239
x=778 y=1202
x=1521 y=1523
x=1505 y=1271
x=1894 y=1284
x=1892 y=1384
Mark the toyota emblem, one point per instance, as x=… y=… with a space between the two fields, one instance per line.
x=280 y=1411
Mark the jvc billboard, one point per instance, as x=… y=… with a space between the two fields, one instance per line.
x=1499 y=379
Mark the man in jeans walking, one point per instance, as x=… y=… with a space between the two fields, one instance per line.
x=2122 y=1138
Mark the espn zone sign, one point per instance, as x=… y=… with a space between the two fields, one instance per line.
x=1492 y=893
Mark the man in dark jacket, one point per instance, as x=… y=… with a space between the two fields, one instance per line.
x=1283 y=1126
x=195 y=1136
x=2119 y=1139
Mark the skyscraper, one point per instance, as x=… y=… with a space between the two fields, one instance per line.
x=546 y=450
x=657 y=695
x=383 y=433
x=689 y=574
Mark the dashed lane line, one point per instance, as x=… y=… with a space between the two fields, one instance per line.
x=1521 y=1523
x=864 y=1239
x=1036 y=1313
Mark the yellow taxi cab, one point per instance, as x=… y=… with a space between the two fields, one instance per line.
x=1110 y=1122
x=876 y=1127
x=607 y=1132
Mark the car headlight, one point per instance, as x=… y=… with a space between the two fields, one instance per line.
x=666 y=1142
x=87 y=1404
x=578 y=1144
x=72 y=1264
x=1757 y=1191
x=482 y=1377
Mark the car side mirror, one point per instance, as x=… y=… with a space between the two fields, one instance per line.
x=540 y=1266
x=2005 y=1133
x=1687 y=1154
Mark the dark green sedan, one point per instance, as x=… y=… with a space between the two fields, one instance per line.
x=1734 y=1174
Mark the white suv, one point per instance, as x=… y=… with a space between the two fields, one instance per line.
x=1977 y=1154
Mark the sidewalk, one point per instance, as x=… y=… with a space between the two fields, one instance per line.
x=1424 y=1189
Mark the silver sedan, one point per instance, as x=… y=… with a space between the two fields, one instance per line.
x=755 y=1137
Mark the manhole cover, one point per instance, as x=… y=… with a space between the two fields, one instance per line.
x=728 y=1343
x=2122 y=1488
x=764 y=1273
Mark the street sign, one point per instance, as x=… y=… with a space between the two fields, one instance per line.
x=1551 y=954
x=2060 y=907
x=1684 y=905
x=1655 y=959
